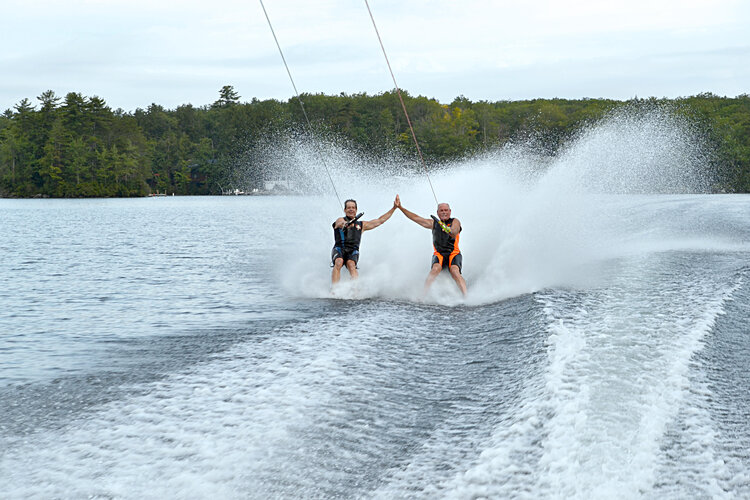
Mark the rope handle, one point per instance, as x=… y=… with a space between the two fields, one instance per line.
x=442 y=224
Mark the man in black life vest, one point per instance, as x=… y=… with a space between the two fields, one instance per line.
x=445 y=235
x=347 y=233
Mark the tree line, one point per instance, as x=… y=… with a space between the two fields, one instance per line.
x=77 y=146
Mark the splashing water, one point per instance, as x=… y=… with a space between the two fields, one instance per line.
x=530 y=221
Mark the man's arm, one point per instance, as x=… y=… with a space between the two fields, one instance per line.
x=339 y=223
x=455 y=228
x=411 y=215
x=372 y=224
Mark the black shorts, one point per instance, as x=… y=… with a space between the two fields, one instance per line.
x=339 y=253
x=457 y=260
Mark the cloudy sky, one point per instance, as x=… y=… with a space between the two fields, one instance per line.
x=135 y=52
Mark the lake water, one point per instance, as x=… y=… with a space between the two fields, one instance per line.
x=192 y=347
x=189 y=347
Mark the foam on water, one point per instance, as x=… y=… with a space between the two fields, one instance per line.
x=618 y=412
x=222 y=430
x=619 y=372
x=315 y=409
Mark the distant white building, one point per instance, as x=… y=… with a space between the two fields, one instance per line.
x=278 y=185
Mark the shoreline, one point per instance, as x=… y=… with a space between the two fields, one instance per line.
x=151 y=195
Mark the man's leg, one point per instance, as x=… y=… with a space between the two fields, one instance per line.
x=434 y=271
x=336 y=273
x=352 y=267
x=456 y=274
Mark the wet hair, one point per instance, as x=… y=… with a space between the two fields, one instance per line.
x=353 y=201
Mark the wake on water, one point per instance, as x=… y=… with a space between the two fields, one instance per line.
x=530 y=221
x=622 y=407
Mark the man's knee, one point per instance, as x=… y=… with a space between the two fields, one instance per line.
x=338 y=263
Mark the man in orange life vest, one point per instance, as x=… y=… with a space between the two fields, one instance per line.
x=347 y=233
x=445 y=235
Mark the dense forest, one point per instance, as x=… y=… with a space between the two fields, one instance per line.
x=77 y=146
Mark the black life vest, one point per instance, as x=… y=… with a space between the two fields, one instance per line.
x=442 y=241
x=348 y=237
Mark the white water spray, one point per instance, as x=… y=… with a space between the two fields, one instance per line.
x=530 y=221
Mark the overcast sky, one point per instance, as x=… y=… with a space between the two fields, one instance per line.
x=135 y=52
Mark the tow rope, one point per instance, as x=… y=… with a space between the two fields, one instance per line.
x=403 y=106
x=302 y=105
